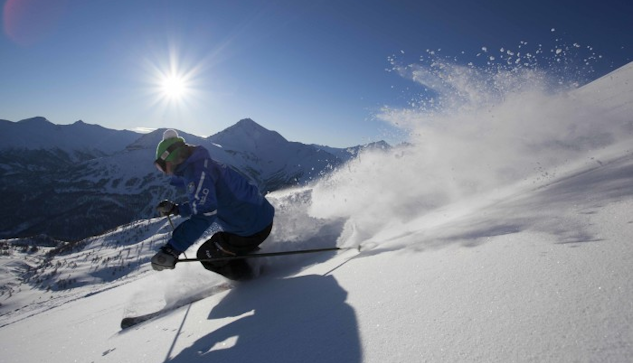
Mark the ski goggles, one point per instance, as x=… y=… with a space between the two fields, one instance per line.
x=160 y=163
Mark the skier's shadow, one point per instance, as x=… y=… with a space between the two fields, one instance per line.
x=302 y=319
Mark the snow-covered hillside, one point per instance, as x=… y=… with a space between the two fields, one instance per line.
x=511 y=245
x=84 y=179
x=541 y=276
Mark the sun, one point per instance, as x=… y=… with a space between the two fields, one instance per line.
x=173 y=83
x=173 y=87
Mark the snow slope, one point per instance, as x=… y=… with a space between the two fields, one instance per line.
x=542 y=276
x=501 y=256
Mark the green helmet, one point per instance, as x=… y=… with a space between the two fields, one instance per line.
x=168 y=148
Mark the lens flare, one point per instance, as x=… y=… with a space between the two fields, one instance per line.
x=27 y=22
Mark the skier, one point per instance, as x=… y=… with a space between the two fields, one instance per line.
x=216 y=194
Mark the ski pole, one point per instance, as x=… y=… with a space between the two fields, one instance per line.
x=267 y=254
x=171 y=223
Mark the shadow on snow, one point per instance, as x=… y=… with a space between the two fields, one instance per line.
x=299 y=319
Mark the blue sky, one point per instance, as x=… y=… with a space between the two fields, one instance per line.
x=315 y=71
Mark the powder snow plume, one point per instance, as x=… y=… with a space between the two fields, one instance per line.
x=474 y=129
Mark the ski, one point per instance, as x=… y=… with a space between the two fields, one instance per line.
x=131 y=321
x=267 y=254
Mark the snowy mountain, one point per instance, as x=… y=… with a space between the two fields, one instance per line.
x=350 y=153
x=76 y=142
x=84 y=179
x=471 y=260
x=268 y=158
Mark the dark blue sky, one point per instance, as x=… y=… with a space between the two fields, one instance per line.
x=315 y=71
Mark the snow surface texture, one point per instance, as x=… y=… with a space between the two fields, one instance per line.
x=502 y=234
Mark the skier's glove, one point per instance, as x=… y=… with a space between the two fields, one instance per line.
x=166 y=258
x=167 y=207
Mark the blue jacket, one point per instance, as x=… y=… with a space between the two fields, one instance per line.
x=217 y=194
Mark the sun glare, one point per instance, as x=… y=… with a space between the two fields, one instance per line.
x=173 y=87
x=173 y=82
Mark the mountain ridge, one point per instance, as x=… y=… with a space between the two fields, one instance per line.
x=82 y=179
x=38 y=133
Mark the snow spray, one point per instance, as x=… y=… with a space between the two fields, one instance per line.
x=516 y=117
